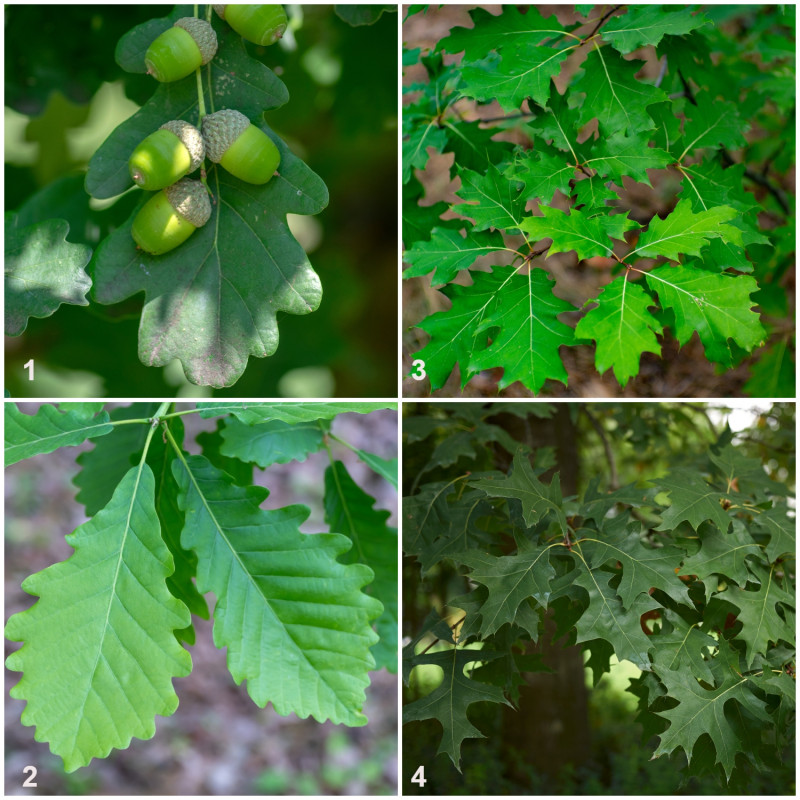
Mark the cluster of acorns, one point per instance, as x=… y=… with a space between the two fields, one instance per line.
x=160 y=162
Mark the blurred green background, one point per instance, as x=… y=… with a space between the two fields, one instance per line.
x=64 y=94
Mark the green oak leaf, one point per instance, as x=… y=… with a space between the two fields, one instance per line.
x=425 y=515
x=686 y=232
x=691 y=500
x=48 y=429
x=527 y=346
x=294 y=619
x=538 y=500
x=680 y=645
x=773 y=374
x=272 y=442
x=593 y=194
x=596 y=505
x=418 y=221
x=513 y=78
x=512 y=30
x=587 y=235
x=712 y=123
x=489 y=199
x=614 y=96
x=457 y=531
x=511 y=581
x=456 y=333
x=643 y=568
x=255 y=413
x=362 y=13
x=723 y=554
x=385 y=467
x=606 y=618
x=448 y=252
x=622 y=327
x=717 y=306
x=708 y=185
x=782 y=529
x=181 y=583
x=617 y=156
x=214 y=301
x=702 y=710
x=42 y=271
x=762 y=625
x=450 y=701
x=643 y=25
x=541 y=175
x=104 y=466
x=741 y=473
x=99 y=651
x=210 y=443
x=420 y=133
x=472 y=145
x=559 y=123
x=349 y=510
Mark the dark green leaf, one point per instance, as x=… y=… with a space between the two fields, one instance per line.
x=42 y=271
x=450 y=701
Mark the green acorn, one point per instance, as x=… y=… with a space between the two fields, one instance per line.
x=240 y=147
x=165 y=156
x=171 y=216
x=258 y=24
x=181 y=49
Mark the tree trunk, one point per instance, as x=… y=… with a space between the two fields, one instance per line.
x=551 y=726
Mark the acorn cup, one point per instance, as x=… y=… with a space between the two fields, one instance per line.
x=165 y=156
x=180 y=50
x=239 y=146
x=262 y=25
x=171 y=216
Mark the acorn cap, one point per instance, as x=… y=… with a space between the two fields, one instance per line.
x=220 y=10
x=221 y=129
x=190 y=200
x=202 y=33
x=192 y=140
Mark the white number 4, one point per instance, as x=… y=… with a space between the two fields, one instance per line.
x=419 y=777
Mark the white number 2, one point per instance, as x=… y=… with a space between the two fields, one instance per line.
x=29 y=782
